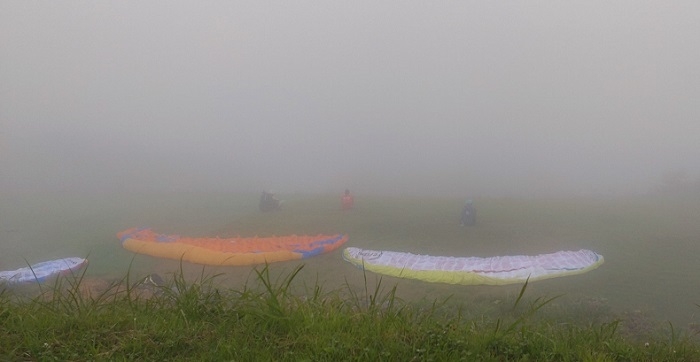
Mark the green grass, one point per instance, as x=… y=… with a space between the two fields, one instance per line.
x=330 y=310
x=264 y=320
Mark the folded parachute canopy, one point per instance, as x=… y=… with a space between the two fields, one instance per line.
x=498 y=270
x=229 y=251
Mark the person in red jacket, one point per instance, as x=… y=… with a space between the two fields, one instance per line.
x=347 y=200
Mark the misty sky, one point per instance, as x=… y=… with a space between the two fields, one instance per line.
x=464 y=97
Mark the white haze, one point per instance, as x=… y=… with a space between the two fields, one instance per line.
x=468 y=97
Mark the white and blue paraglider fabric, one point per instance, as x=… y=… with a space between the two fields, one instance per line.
x=497 y=270
x=39 y=272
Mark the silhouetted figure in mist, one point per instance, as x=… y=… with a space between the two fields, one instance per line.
x=268 y=201
x=468 y=217
x=347 y=201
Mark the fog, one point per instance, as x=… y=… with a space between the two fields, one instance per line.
x=467 y=97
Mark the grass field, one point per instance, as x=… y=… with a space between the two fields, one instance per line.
x=645 y=291
x=265 y=320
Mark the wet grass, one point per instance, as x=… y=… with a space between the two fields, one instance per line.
x=330 y=310
x=265 y=320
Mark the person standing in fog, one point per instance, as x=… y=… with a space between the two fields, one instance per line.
x=468 y=217
x=347 y=201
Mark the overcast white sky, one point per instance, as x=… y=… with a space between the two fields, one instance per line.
x=466 y=97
